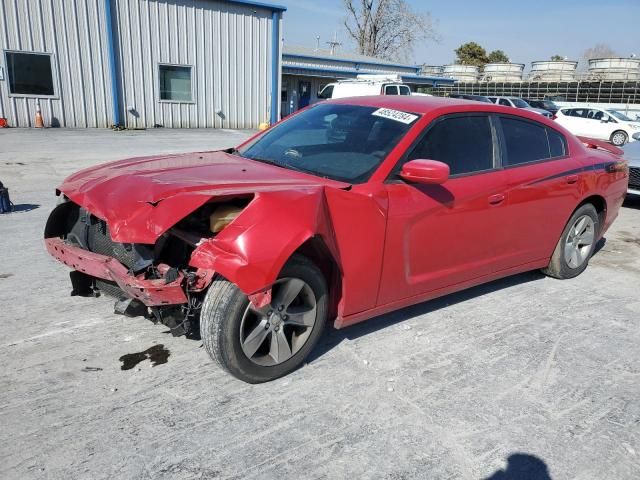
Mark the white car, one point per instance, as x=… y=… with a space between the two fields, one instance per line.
x=609 y=125
x=516 y=102
x=632 y=155
x=365 y=85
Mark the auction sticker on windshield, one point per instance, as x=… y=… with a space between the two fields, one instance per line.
x=396 y=115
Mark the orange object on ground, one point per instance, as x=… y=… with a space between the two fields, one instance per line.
x=3 y=123
x=39 y=121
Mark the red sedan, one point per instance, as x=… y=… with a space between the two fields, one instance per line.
x=346 y=210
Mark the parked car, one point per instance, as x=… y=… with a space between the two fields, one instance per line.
x=547 y=105
x=349 y=209
x=609 y=125
x=516 y=102
x=365 y=85
x=465 y=96
x=632 y=155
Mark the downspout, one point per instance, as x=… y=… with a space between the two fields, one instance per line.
x=275 y=64
x=115 y=93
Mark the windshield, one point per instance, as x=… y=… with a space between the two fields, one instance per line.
x=341 y=142
x=518 y=102
x=620 y=116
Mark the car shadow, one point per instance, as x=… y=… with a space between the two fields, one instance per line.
x=24 y=207
x=333 y=337
x=522 y=466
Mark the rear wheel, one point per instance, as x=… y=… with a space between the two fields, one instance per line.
x=577 y=242
x=619 y=138
x=261 y=344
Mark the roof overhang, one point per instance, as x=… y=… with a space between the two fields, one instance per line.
x=337 y=73
x=269 y=6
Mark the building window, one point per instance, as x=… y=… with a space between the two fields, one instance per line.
x=29 y=73
x=175 y=83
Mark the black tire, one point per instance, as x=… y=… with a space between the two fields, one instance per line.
x=558 y=266
x=222 y=314
x=619 y=138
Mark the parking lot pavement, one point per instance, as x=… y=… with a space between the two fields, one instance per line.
x=526 y=372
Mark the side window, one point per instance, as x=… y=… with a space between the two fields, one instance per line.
x=505 y=102
x=391 y=90
x=463 y=143
x=404 y=90
x=524 y=141
x=557 y=143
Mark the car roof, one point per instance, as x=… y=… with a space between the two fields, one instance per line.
x=435 y=106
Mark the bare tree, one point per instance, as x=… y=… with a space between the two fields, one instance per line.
x=387 y=28
x=601 y=50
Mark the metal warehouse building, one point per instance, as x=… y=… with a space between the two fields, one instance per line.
x=305 y=71
x=140 y=63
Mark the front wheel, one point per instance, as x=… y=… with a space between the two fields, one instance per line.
x=576 y=245
x=261 y=344
x=619 y=138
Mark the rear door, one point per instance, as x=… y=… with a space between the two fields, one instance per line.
x=441 y=235
x=543 y=184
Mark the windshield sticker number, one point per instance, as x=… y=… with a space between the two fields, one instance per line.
x=396 y=115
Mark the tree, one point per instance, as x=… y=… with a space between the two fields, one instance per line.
x=557 y=58
x=471 y=53
x=601 y=50
x=497 y=56
x=387 y=28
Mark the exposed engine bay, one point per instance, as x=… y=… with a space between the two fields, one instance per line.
x=151 y=267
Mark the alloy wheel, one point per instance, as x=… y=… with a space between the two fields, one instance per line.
x=579 y=241
x=273 y=334
x=619 y=139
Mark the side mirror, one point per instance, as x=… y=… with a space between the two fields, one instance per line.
x=429 y=172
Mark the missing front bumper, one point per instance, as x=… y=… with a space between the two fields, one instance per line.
x=152 y=293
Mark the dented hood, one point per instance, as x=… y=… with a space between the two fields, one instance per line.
x=141 y=198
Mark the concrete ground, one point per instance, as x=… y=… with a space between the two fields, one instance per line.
x=524 y=373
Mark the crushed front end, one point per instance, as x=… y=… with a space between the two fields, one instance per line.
x=152 y=280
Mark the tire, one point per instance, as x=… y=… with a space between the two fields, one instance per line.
x=564 y=263
x=619 y=138
x=231 y=328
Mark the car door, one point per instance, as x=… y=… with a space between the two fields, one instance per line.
x=442 y=235
x=594 y=127
x=573 y=120
x=543 y=184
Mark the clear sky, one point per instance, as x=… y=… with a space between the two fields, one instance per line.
x=525 y=30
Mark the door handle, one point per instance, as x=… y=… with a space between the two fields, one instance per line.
x=496 y=199
x=571 y=179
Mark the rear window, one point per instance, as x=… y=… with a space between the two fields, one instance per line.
x=527 y=142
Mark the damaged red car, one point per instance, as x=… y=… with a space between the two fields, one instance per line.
x=346 y=210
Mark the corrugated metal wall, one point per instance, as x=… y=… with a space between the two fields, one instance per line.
x=227 y=45
x=74 y=33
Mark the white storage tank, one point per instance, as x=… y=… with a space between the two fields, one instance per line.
x=502 y=72
x=614 y=68
x=553 y=71
x=462 y=73
x=432 y=70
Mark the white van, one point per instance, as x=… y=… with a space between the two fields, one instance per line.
x=364 y=85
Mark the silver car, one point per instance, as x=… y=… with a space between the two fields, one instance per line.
x=516 y=102
x=632 y=155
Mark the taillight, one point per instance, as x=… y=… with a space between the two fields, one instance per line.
x=619 y=166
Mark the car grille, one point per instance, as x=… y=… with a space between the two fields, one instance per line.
x=99 y=241
x=634 y=178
